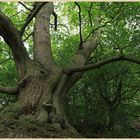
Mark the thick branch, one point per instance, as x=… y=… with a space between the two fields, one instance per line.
x=13 y=39
x=89 y=46
x=9 y=90
x=42 y=43
x=102 y=63
x=79 y=60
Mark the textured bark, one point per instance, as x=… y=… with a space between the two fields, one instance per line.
x=79 y=60
x=37 y=105
x=42 y=43
x=42 y=87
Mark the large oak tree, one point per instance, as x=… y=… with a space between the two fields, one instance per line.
x=43 y=86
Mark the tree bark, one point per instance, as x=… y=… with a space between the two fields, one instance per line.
x=13 y=39
x=42 y=87
x=42 y=41
x=9 y=90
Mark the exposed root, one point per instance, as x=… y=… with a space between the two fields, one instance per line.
x=16 y=125
x=19 y=129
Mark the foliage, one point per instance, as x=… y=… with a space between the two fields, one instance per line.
x=86 y=104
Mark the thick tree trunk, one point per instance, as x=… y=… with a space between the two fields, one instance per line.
x=41 y=103
x=42 y=86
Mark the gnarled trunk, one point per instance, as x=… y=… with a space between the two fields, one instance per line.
x=41 y=102
x=42 y=86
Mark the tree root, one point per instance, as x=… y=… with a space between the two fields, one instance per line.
x=16 y=124
x=28 y=127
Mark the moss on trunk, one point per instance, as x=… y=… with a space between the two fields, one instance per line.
x=35 y=114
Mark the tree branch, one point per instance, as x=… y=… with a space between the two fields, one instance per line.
x=113 y=18
x=9 y=90
x=102 y=63
x=80 y=26
x=16 y=13
x=128 y=98
x=89 y=13
x=96 y=29
x=25 y=6
x=28 y=36
x=55 y=20
x=30 y=18
x=68 y=30
x=42 y=39
x=79 y=60
x=13 y=39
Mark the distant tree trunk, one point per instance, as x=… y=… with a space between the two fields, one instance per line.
x=111 y=119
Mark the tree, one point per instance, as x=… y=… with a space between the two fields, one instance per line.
x=102 y=101
x=42 y=86
x=113 y=92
